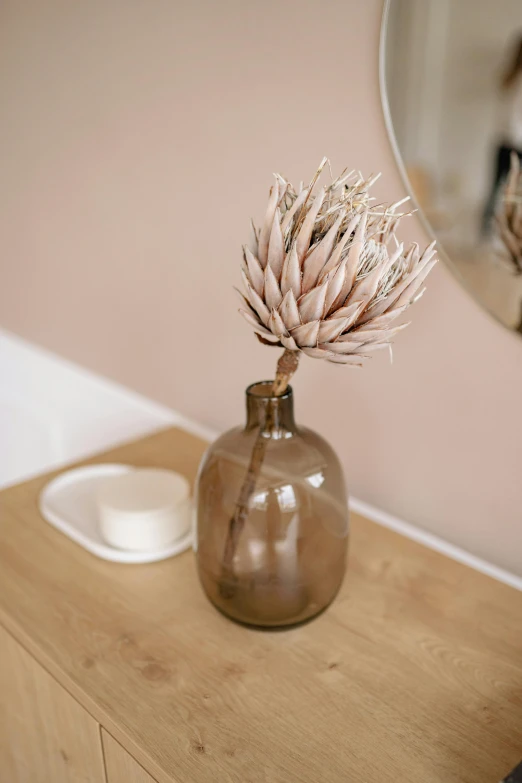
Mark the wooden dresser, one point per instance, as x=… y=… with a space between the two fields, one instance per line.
x=126 y=674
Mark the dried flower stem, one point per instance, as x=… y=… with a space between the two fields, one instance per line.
x=286 y=367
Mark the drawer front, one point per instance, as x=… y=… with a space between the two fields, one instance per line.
x=120 y=766
x=45 y=735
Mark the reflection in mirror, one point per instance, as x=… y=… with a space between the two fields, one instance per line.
x=453 y=82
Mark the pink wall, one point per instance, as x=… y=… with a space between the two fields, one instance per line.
x=137 y=140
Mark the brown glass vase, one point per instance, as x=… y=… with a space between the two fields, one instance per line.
x=283 y=561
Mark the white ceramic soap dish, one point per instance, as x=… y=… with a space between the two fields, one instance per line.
x=68 y=503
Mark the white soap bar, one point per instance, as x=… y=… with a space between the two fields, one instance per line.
x=144 y=509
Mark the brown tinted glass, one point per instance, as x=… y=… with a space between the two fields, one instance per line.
x=288 y=558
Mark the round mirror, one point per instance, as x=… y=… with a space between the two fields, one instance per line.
x=451 y=81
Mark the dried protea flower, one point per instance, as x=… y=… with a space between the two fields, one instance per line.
x=508 y=217
x=325 y=274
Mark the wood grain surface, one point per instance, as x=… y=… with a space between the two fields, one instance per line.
x=120 y=767
x=45 y=735
x=414 y=674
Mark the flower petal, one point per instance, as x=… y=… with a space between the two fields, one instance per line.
x=352 y=263
x=364 y=336
x=354 y=337
x=289 y=342
x=258 y=328
x=283 y=187
x=354 y=253
x=350 y=311
x=276 y=250
x=289 y=216
x=273 y=296
x=255 y=273
x=338 y=249
x=243 y=300
x=266 y=229
x=349 y=361
x=305 y=232
x=253 y=242
x=318 y=257
x=255 y=300
x=393 y=299
x=371 y=347
x=318 y=353
x=306 y=335
x=291 y=274
x=366 y=288
x=410 y=291
x=335 y=284
x=331 y=329
x=311 y=305
x=382 y=321
x=342 y=347
x=276 y=325
x=289 y=311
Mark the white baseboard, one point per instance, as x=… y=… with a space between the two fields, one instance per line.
x=434 y=542
x=84 y=413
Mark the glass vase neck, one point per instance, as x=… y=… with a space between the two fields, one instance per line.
x=273 y=416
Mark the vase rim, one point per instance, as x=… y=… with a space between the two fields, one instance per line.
x=255 y=391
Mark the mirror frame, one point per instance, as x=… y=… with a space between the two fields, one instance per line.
x=426 y=225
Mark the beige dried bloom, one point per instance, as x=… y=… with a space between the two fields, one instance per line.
x=325 y=274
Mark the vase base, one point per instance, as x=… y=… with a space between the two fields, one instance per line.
x=264 y=607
